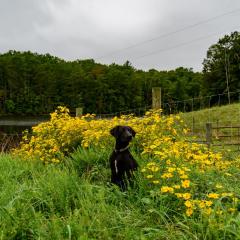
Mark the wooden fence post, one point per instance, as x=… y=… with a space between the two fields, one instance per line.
x=156 y=98
x=208 y=134
x=79 y=112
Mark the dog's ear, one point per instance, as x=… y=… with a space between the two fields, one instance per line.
x=132 y=131
x=115 y=131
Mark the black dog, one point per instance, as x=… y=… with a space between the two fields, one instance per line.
x=122 y=162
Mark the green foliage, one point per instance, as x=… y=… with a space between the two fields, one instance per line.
x=9 y=106
x=222 y=64
x=38 y=83
x=71 y=202
x=54 y=202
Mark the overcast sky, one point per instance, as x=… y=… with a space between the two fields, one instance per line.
x=160 y=34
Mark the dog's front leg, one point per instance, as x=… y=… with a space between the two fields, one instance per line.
x=130 y=177
x=118 y=179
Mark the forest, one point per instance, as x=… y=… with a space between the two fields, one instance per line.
x=34 y=84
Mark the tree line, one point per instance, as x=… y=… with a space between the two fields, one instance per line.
x=34 y=84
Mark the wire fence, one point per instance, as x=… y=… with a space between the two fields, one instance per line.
x=196 y=123
x=187 y=105
x=218 y=135
x=136 y=111
x=200 y=103
x=225 y=131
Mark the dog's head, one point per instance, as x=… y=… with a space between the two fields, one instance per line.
x=123 y=133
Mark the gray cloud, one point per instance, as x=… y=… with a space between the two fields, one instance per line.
x=76 y=29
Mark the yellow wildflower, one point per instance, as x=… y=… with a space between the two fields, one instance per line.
x=179 y=195
x=208 y=203
x=224 y=194
x=149 y=176
x=154 y=169
x=213 y=195
x=186 y=196
x=165 y=189
x=208 y=211
x=185 y=183
x=185 y=176
x=188 y=204
x=167 y=175
x=232 y=209
x=189 y=212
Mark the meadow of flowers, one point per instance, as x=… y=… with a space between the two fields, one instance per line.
x=172 y=166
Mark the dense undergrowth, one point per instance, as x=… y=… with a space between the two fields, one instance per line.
x=183 y=190
x=75 y=201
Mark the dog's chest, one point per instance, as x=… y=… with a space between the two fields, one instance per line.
x=115 y=166
x=121 y=162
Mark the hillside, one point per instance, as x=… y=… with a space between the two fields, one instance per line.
x=228 y=114
x=225 y=122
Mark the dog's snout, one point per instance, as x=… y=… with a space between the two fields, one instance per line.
x=128 y=135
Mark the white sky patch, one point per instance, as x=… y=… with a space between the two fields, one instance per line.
x=118 y=30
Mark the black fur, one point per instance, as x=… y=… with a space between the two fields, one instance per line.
x=122 y=162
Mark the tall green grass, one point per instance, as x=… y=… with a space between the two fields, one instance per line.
x=71 y=201
x=223 y=115
x=74 y=200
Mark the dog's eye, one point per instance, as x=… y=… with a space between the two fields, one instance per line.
x=132 y=131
